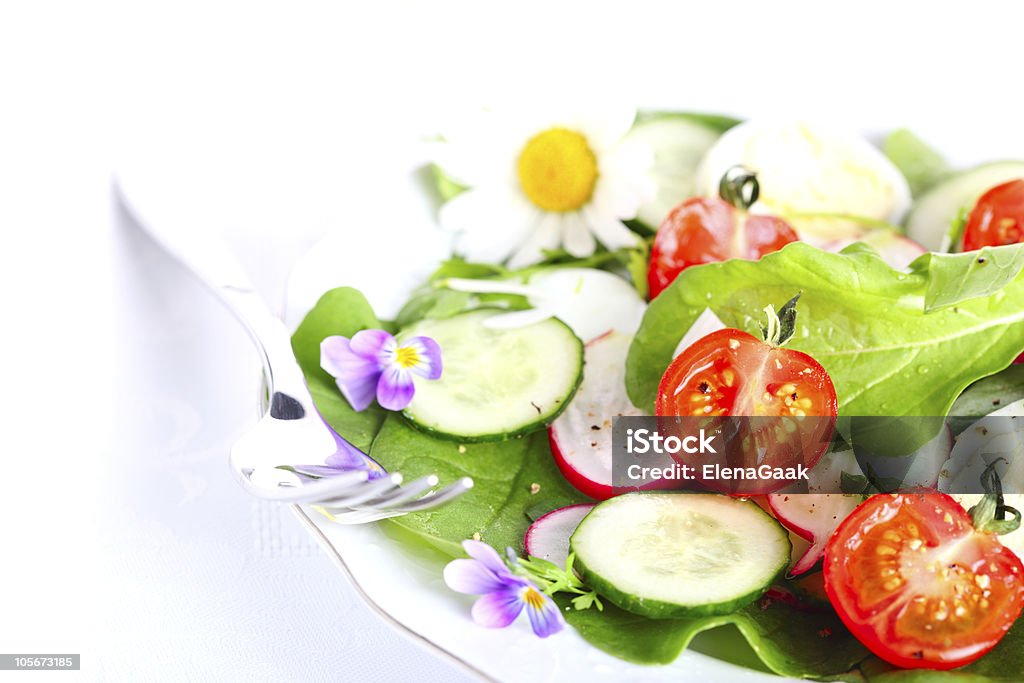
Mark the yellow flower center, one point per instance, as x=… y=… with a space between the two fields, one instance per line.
x=532 y=598
x=557 y=170
x=406 y=357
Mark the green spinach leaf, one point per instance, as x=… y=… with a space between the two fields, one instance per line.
x=509 y=478
x=862 y=320
x=343 y=311
x=789 y=641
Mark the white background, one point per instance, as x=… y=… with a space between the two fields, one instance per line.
x=123 y=537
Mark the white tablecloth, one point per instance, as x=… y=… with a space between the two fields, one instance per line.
x=209 y=583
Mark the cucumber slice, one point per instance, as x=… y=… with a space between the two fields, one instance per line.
x=496 y=383
x=679 y=142
x=931 y=216
x=667 y=555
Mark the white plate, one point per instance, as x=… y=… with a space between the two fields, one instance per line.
x=403 y=584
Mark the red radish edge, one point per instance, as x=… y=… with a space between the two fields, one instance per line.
x=778 y=503
x=568 y=435
x=535 y=535
x=587 y=487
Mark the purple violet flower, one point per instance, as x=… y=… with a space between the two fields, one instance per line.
x=372 y=363
x=504 y=595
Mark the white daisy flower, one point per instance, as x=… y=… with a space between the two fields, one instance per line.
x=565 y=179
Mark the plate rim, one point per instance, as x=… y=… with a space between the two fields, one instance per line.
x=409 y=633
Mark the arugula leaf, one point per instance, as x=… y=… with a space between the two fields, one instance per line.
x=503 y=474
x=438 y=303
x=459 y=267
x=922 y=166
x=953 y=278
x=789 y=641
x=862 y=320
x=343 y=311
x=432 y=300
x=953 y=240
x=636 y=263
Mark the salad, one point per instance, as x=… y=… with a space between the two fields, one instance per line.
x=615 y=266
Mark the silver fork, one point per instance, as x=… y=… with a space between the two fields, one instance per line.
x=291 y=431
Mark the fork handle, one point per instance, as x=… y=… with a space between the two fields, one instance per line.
x=207 y=255
x=290 y=399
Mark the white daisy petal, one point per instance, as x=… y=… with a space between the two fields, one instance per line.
x=615 y=199
x=496 y=221
x=576 y=238
x=480 y=150
x=484 y=244
x=609 y=229
x=629 y=157
x=490 y=224
x=546 y=235
x=605 y=124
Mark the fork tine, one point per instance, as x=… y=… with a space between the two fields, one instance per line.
x=367 y=491
x=366 y=515
x=400 y=495
x=434 y=499
x=324 y=488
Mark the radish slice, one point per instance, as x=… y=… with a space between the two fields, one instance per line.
x=581 y=437
x=985 y=441
x=588 y=300
x=800 y=545
x=548 y=537
x=827 y=475
x=895 y=249
x=813 y=516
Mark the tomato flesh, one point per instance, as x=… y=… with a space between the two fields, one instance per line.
x=707 y=230
x=997 y=218
x=918 y=585
x=730 y=373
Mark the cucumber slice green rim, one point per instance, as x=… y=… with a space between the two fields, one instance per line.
x=670 y=555
x=496 y=384
x=930 y=218
x=679 y=141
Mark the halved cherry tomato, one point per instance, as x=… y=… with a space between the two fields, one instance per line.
x=916 y=583
x=997 y=218
x=706 y=230
x=732 y=373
